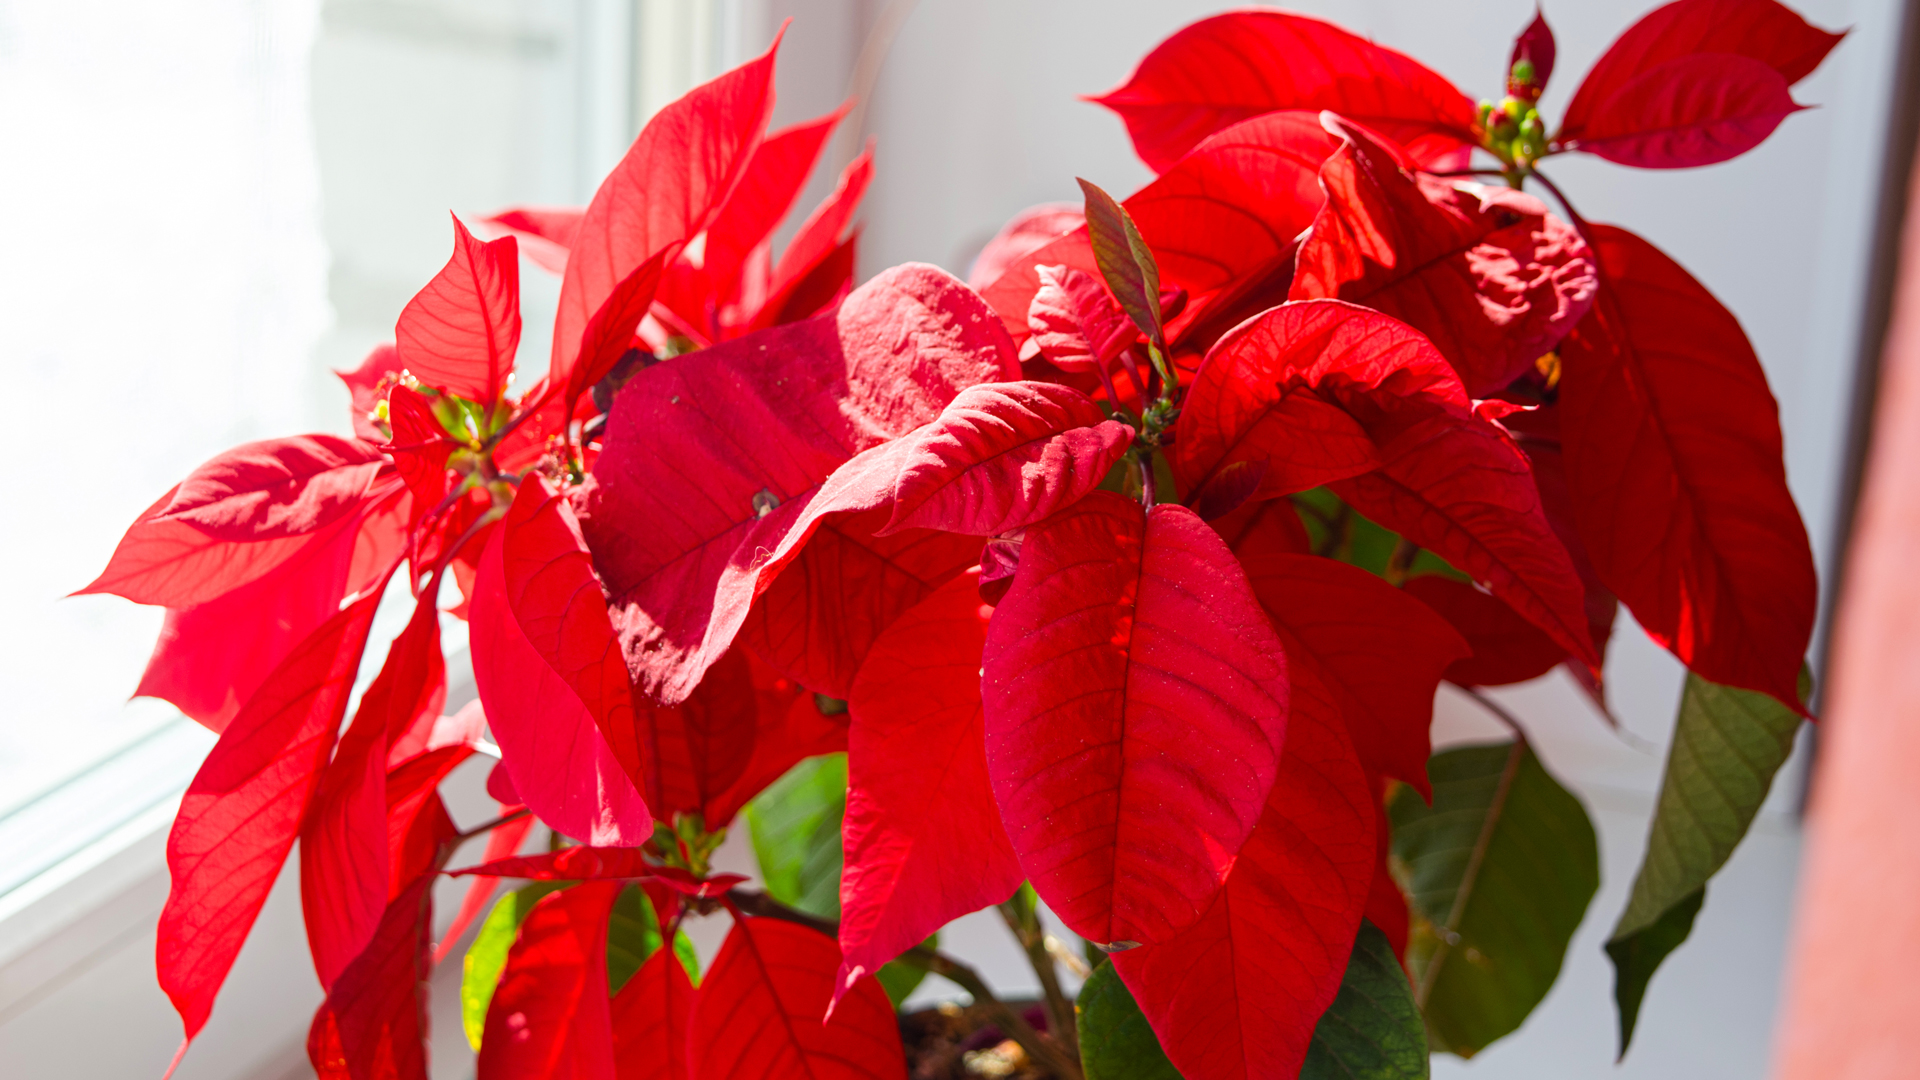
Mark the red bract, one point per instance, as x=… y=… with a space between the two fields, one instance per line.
x=549 y=1018
x=1489 y=276
x=372 y=1025
x=459 y=335
x=1136 y=701
x=550 y=674
x=680 y=519
x=650 y=1016
x=1236 y=994
x=1666 y=410
x=1225 y=69
x=924 y=843
x=759 y=1012
x=1693 y=83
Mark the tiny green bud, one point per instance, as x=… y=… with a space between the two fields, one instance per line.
x=1523 y=71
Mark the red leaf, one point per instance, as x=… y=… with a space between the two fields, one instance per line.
x=545 y=233
x=1223 y=224
x=666 y=189
x=650 y=1017
x=242 y=811
x=344 y=868
x=372 y=1025
x=584 y=863
x=1538 y=434
x=1225 y=69
x=417 y=818
x=1386 y=904
x=1466 y=493
x=367 y=385
x=1310 y=389
x=420 y=448
x=699 y=748
x=681 y=512
x=1484 y=272
x=175 y=564
x=924 y=843
x=1673 y=458
x=549 y=1018
x=460 y=333
x=503 y=841
x=1074 y=320
x=1761 y=30
x=1236 y=995
x=1136 y=702
x=213 y=656
x=759 y=1012
x=1270 y=526
x=1377 y=653
x=700 y=283
x=1506 y=648
x=1691 y=110
x=549 y=672
x=820 y=235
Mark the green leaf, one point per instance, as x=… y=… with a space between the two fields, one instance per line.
x=796 y=834
x=1727 y=746
x=1372 y=1031
x=900 y=980
x=1125 y=262
x=1116 y=1043
x=1637 y=955
x=487 y=956
x=1499 y=870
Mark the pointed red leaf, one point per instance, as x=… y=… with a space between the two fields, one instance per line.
x=417 y=819
x=1378 y=654
x=1691 y=110
x=924 y=843
x=1466 y=493
x=697 y=749
x=682 y=511
x=367 y=385
x=585 y=863
x=825 y=228
x=240 y=815
x=545 y=233
x=1761 y=30
x=1310 y=389
x=344 y=868
x=700 y=282
x=1227 y=68
x=175 y=564
x=650 y=1017
x=549 y=1017
x=1075 y=322
x=213 y=656
x=666 y=189
x=1236 y=996
x=372 y=1025
x=1674 y=461
x=420 y=447
x=1136 y=702
x=1489 y=276
x=1506 y=648
x=1538 y=434
x=550 y=674
x=460 y=333
x=1270 y=526
x=760 y=1012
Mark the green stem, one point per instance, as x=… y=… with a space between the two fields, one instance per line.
x=1024 y=921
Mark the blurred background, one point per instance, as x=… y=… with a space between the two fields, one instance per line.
x=209 y=204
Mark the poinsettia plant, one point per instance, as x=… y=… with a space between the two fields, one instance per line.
x=1121 y=580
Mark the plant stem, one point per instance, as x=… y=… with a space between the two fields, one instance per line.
x=1573 y=215
x=1401 y=561
x=461 y=838
x=1024 y=921
x=1499 y=713
x=1042 y=1050
x=1448 y=933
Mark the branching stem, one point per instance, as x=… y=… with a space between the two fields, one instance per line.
x=1024 y=921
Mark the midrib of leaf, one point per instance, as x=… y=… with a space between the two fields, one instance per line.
x=1464 y=895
